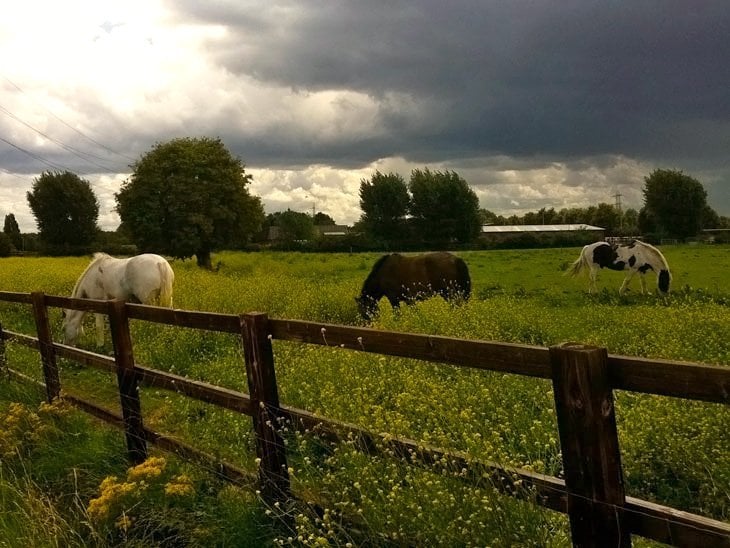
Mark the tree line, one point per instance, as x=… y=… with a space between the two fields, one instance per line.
x=190 y=196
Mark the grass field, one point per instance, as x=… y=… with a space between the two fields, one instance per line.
x=674 y=452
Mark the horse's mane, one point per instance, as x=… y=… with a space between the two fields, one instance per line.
x=96 y=258
x=375 y=270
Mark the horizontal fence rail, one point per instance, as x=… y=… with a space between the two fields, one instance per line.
x=617 y=514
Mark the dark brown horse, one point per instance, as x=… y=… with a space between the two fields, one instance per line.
x=413 y=278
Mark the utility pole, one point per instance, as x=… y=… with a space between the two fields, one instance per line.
x=617 y=196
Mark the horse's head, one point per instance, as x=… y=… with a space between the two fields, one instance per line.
x=72 y=326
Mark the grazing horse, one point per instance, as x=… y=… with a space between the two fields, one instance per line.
x=144 y=279
x=412 y=278
x=635 y=257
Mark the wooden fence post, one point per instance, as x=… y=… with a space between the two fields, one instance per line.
x=45 y=346
x=127 y=381
x=589 y=443
x=261 y=375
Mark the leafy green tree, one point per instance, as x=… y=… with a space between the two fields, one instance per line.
x=675 y=202
x=443 y=206
x=321 y=219
x=12 y=230
x=646 y=221
x=630 y=222
x=66 y=211
x=606 y=216
x=294 y=225
x=6 y=247
x=710 y=218
x=573 y=215
x=384 y=202
x=487 y=217
x=188 y=197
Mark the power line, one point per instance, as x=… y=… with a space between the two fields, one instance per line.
x=78 y=153
x=81 y=133
x=35 y=156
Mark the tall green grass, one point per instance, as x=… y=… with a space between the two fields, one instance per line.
x=674 y=452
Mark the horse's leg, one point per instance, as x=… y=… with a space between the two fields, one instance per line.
x=625 y=285
x=99 y=318
x=592 y=276
x=642 y=279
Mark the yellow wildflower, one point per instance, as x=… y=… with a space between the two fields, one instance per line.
x=111 y=492
x=180 y=485
x=149 y=469
x=123 y=523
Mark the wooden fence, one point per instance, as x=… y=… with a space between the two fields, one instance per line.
x=583 y=377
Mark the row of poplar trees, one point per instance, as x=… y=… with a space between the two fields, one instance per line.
x=190 y=196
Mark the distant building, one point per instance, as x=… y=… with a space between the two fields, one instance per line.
x=505 y=233
x=273 y=233
x=331 y=230
x=715 y=235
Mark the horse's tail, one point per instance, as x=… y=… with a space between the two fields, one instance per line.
x=167 y=276
x=664 y=278
x=464 y=278
x=575 y=268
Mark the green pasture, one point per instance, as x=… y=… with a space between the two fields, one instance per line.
x=674 y=452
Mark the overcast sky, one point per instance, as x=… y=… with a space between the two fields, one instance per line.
x=535 y=103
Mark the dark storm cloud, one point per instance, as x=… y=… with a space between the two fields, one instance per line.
x=570 y=79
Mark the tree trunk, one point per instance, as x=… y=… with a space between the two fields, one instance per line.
x=203 y=258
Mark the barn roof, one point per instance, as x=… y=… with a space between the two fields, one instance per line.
x=539 y=228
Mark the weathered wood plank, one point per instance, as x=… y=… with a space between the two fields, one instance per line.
x=662 y=377
x=127 y=380
x=45 y=346
x=674 y=527
x=209 y=321
x=710 y=383
x=546 y=490
x=85 y=357
x=589 y=445
x=20 y=338
x=267 y=414
x=89 y=305
x=527 y=360
x=221 y=468
x=14 y=297
x=209 y=393
x=216 y=395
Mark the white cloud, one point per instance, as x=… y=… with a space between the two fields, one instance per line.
x=313 y=103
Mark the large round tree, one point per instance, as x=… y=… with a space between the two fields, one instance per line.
x=384 y=202
x=66 y=210
x=674 y=204
x=443 y=206
x=188 y=197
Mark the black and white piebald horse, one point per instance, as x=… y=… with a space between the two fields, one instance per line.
x=635 y=257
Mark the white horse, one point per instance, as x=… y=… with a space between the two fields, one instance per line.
x=145 y=279
x=635 y=257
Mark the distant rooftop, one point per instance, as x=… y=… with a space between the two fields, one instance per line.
x=538 y=228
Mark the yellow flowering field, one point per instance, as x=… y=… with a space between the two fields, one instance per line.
x=674 y=452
